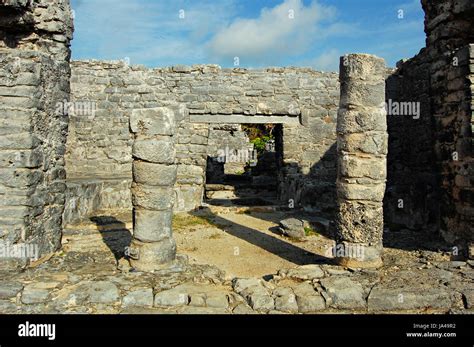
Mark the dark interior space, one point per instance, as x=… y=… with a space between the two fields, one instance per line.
x=245 y=172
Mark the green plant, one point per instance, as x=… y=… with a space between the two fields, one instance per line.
x=310 y=231
x=260 y=143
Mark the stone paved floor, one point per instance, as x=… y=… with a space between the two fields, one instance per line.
x=85 y=277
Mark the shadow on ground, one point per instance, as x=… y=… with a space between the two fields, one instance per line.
x=274 y=245
x=115 y=234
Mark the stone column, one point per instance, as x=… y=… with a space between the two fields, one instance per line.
x=362 y=143
x=154 y=175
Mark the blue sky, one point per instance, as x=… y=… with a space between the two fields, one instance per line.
x=260 y=33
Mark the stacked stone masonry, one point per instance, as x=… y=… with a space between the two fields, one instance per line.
x=430 y=164
x=100 y=146
x=362 y=148
x=430 y=161
x=154 y=175
x=34 y=83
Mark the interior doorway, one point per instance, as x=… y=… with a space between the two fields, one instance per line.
x=243 y=164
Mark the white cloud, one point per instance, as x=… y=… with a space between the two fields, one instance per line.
x=274 y=32
x=327 y=61
x=148 y=32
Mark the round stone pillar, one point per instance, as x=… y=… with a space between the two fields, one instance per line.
x=362 y=144
x=154 y=175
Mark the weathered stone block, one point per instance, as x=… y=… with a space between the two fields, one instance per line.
x=149 y=256
x=361 y=94
x=310 y=304
x=138 y=297
x=351 y=191
x=19 y=141
x=386 y=299
x=364 y=67
x=172 y=297
x=217 y=300
x=190 y=174
x=359 y=222
x=152 y=197
x=197 y=300
x=154 y=174
x=261 y=302
x=152 y=226
x=103 y=292
x=155 y=150
x=292 y=227
x=354 y=167
x=286 y=303
x=9 y=290
x=305 y=272
x=188 y=197
x=33 y=295
x=367 y=143
x=344 y=292
x=153 y=121
x=361 y=120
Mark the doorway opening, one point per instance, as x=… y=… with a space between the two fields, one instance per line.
x=243 y=164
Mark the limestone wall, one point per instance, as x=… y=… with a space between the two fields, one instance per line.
x=450 y=31
x=412 y=196
x=99 y=145
x=430 y=158
x=34 y=82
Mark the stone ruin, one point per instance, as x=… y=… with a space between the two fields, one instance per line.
x=369 y=148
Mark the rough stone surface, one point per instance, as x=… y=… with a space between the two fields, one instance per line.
x=344 y=292
x=119 y=90
x=261 y=302
x=156 y=121
x=198 y=300
x=469 y=297
x=149 y=256
x=152 y=188
x=171 y=298
x=217 y=300
x=286 y=303
x=381 y=299
x=139 y=297
x=103 y=292
x=9 y=289
x=159 y=126
x=435 y=181
x=304 y=272
x=63 y=285
x=34 y=83
x=152 y=226
x=310 y=304
x=33 y=295
x=293 y=227
x=361 y=168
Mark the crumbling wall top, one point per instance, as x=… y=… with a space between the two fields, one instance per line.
x=197 y=68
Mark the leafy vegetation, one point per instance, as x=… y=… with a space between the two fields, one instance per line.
x=310 y=231
x=259 y=135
